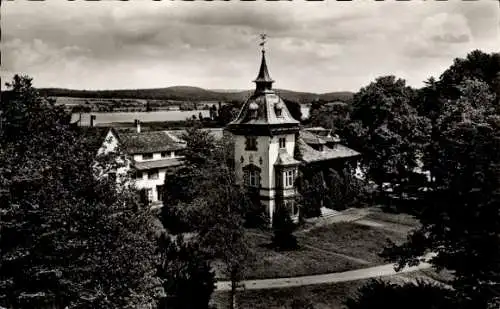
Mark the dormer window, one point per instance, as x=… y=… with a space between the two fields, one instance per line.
x=253 y=109
x=278 y=109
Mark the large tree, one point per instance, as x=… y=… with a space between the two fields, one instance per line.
x=67 y=236
x=217 y=206
x=461 y=222
x=387 y=130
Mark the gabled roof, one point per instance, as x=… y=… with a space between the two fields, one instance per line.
x=94 y=136
x=324 y=134
x=310 y=154
x=311 y=138
x=149 y=141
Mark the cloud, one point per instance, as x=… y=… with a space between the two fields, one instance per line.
x=440 y=35
x=313 y=46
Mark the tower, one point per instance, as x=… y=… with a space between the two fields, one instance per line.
x=264 y=139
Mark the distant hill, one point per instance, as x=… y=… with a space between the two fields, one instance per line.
x=188 y=93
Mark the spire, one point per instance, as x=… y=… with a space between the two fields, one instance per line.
x=263 y=81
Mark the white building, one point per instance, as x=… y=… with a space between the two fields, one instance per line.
x=267 y=140
x=149 y=155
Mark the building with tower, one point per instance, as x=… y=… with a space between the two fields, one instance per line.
x=270 y=146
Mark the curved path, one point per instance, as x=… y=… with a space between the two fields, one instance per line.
x=363 y=273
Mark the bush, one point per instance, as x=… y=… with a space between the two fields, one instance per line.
x=188 y=280
x=419 y=295
x=283 y=228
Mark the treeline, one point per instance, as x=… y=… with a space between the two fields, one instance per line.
x=193 y=94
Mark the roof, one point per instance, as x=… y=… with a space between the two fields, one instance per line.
x=216 y=133
x=310 y=154
x=267 y=101
x=263 y=76
x=94 y=136
x=147 y=165
x=324 y=134
x=285 y=159
x=149 y=141
x=311 y=138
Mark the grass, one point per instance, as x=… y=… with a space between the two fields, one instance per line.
x=321 y=251
x=401 y=218
x=268 y=263
x=322 y=296
x=363 y=242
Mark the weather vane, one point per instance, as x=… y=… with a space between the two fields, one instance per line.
x=263 y=38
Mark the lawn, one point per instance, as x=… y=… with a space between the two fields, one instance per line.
x=402 y=218
x=332 y=248
x=322 y=296
x=349 y=238
x=268 y=263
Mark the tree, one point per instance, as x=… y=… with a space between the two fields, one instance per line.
x=227 y=113
x=188 y=280
x=68 y=235
x=217 y=205
x=382 y=294
x=461 y=221
x=343 y=189
x=387 y=130
x=312 y=191
x=477 y=65
x=223 y=209
x=294 y=109
x=333 y=116
x=283 y=227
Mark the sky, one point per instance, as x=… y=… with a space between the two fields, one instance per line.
x=311 y=46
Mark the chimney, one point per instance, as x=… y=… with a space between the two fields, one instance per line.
x=138 y=125
x=92 y=118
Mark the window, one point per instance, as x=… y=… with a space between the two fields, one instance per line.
x=289 y=177
x=282 y=142
x=147 y=156
x=251 y=143
x=149 y=195
x=153 y=174
x=278 y=112
x=159 y=190
x=252 y=178
x=164 y=154
x=138 y=175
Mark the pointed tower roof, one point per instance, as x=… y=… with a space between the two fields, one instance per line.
x=263 y=80
x=264 y=112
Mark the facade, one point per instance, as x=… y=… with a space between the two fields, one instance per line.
x=270 y=146
x=149 y=156
x=152 y=154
